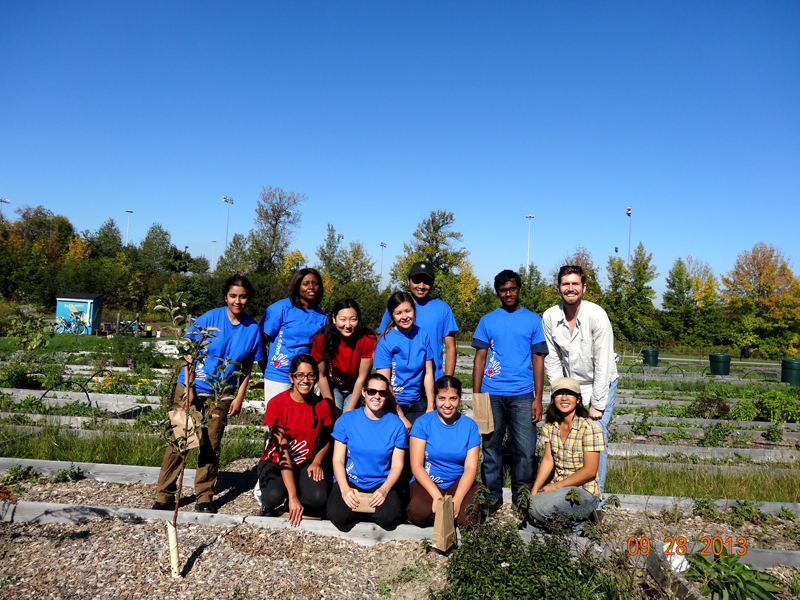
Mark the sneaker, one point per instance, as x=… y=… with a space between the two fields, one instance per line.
x=163 y=506
x=205 y=507
x=492 y=506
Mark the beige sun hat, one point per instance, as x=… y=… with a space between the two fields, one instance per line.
x=565 y=383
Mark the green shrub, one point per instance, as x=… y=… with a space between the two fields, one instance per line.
x=773 y=434
x=708 y=406
x=494 y=562
x=744 y=410
x=17 y=473
x=714 y=435
x=68 y=475
x=778 y=407
x=724 y=576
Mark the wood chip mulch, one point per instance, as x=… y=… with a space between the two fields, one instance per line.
x=113 y=558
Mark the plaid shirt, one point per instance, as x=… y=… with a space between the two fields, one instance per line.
x=585 y=436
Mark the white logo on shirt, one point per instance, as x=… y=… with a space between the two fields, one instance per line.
x=493 y=366
x=279 y=359
x=395 y=388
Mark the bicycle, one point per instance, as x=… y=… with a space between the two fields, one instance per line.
x=72 y=325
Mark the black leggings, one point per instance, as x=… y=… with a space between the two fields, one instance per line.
x=386 y=516
x=312 y=494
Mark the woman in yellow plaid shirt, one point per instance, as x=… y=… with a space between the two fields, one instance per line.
x=572 y=446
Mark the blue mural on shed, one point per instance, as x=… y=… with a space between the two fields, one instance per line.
x=88 y=305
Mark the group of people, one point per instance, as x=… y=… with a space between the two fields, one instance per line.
x=369 y=426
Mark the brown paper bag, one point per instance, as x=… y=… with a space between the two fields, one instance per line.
x=363 y=503
x=482 y=412
x=177 y=418
x=444 y=525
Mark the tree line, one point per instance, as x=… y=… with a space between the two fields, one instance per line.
x=756 y=304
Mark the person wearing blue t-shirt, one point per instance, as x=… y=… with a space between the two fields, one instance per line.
x=368 y=454
x=444 y=447
x=287 y=328
x=405 y=357
x=510 y=348
x=237 y=340
x=434 y=317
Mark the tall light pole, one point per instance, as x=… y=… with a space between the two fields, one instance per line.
x=383 y=245
x=630 y=223
x=3 y=201
x=128 y=230
x=212 y=255
x=528 y=261
x=227 y=200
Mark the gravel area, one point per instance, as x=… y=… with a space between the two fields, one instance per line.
x=618 y=523
x=113 y=558
x=129 y=560
x=621 y=524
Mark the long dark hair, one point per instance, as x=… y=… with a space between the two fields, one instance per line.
x=553 y=415
x=390 y=405
x=447 y=382
x=237 y=279
x=312 y=398
x=294 y=287
x=332 y=337
x=396 y=300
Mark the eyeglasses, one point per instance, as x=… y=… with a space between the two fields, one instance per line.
x=373 y=391
x=421 y=279
x=301 y=376
x=510 y=290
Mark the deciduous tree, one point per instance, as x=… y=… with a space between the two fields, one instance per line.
x=277 y=218
x=762 y=296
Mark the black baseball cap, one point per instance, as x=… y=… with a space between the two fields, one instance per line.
x=422 y=268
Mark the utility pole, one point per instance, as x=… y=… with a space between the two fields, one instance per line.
x=128 y=230
x=528 y=261
x=383 y=245
x=212 y=255
x=3 y=201
x=630 y=225
x=228 y=200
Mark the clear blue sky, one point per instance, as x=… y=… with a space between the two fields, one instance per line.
x=381 y=111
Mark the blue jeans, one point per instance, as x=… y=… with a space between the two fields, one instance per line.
x=547 y=505
x=414 y=411
x=341 y=398
x=512 y=413
x=603 y=422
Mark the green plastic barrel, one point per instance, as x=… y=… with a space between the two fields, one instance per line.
x=650 y=356
x=720 y=363
x=790 y=371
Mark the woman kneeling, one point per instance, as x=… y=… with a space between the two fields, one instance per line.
x=572 y=446
x=368 y=451
x=444 y=448
x=291 y=466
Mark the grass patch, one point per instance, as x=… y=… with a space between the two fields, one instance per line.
x=66 y=342
x=57 y=444
x=466 y=380
x=756 y=486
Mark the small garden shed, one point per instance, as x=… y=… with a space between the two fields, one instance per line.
x=87 y=304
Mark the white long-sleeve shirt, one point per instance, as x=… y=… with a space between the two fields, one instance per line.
x=587 y=355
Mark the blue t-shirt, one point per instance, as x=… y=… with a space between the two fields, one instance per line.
x=446 y=446
x=240 y=342
x=290 y=329
x=405 y=354
x=436 y=319
x=511 y=338
x=369 y=446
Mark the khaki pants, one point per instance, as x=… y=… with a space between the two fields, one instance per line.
x=208 y=461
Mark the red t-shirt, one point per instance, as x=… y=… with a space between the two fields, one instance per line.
x=343 y=368
x=297 y=421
